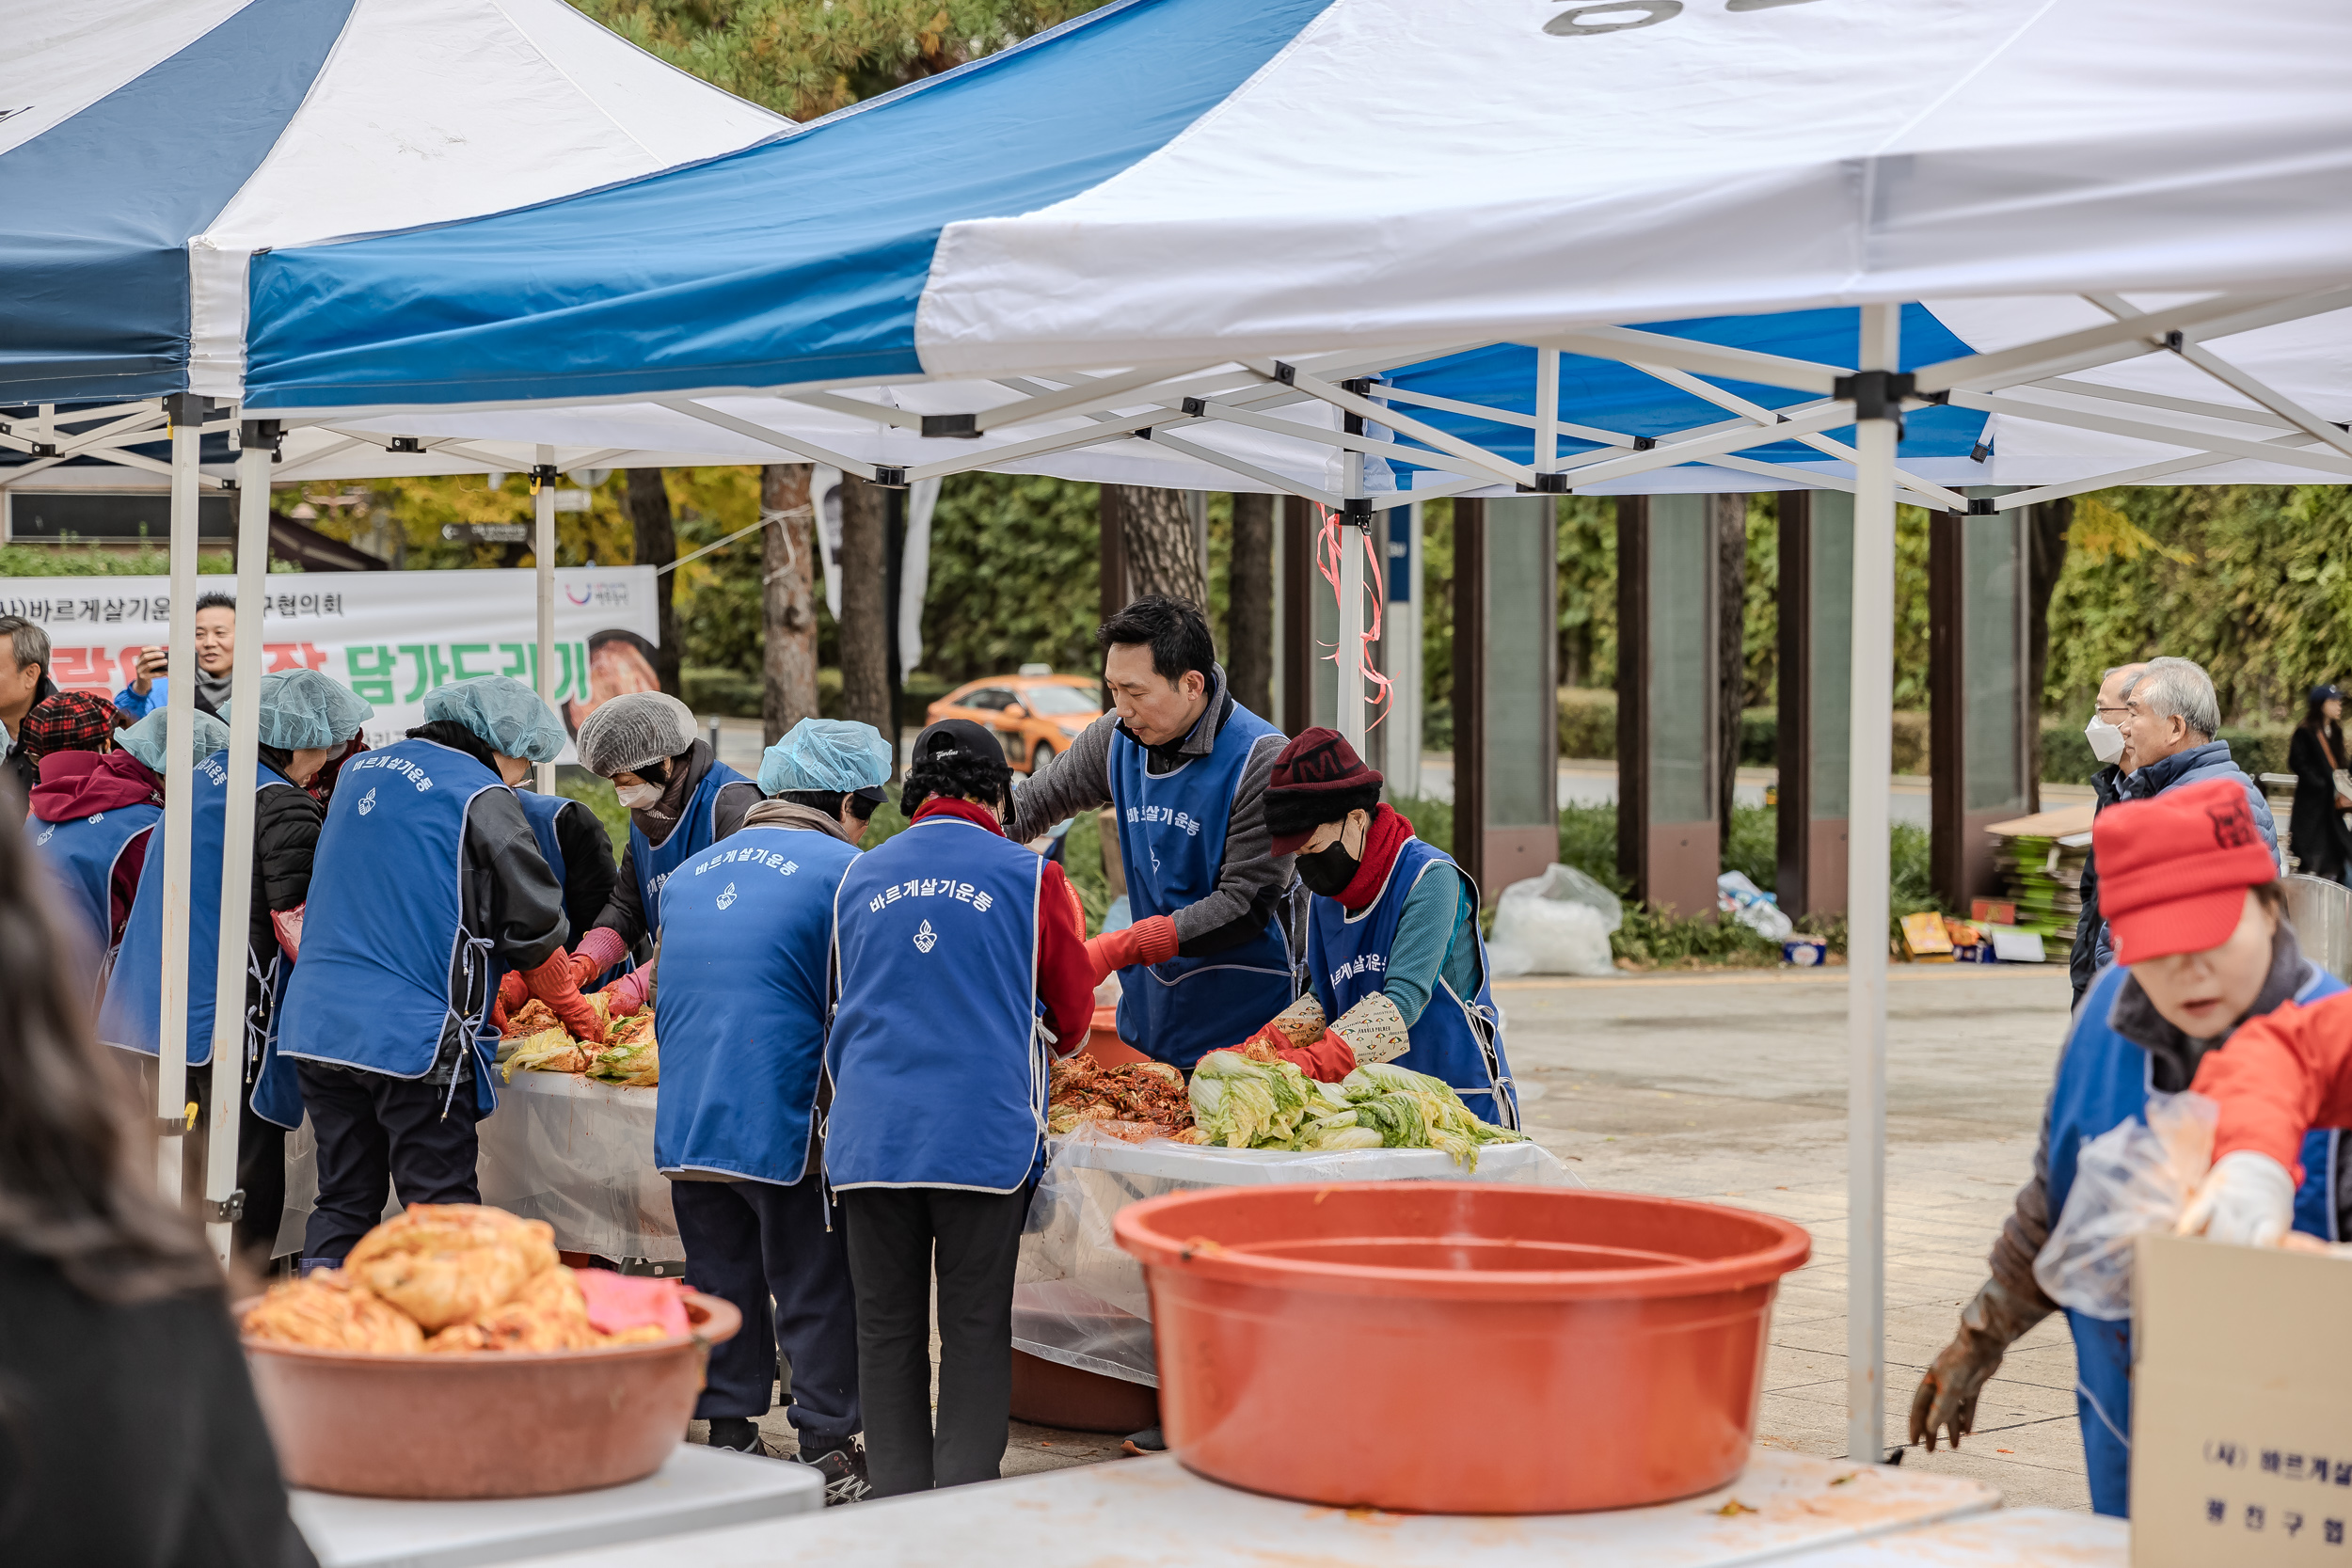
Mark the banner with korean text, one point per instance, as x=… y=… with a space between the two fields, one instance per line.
x=392 y=637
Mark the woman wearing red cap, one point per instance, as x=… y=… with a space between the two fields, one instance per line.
x=1393 y=953
x=2202 y=945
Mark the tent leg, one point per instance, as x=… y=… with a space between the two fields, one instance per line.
x=237 y=880
x=1867 y=892
x=1349 y=655
x=187 y=413
x=543 y=553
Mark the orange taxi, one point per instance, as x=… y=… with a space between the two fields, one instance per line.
x=1035 y=713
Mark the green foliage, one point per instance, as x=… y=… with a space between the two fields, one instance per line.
x=1082 y=862
x=1588 y=841
x=1754 y=847
x=1588 y=722
x=66 y=560
x=806 y=59
x=1015 y=575
x=1587 y=555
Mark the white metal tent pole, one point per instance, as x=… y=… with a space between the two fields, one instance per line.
x=236 y=855
x=1878 y=405
x=1348 y=655
x=543 y=552
x=171 y=1036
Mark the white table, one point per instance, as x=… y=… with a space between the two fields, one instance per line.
x=2012 y=1538
x=697 y=1489
x=1154 y=1513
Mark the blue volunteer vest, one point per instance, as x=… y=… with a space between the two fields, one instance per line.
x=132 y=1014
x=939 y=1076
x=83 y=852
x=1171 y=842
x=539 y=811
x=746 y=949
x=384 y=936
x=698 y=830
x=2102 y=1080
x=1456 y=1039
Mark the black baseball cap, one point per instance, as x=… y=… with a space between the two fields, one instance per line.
x=957 y=734
x=2324 y=693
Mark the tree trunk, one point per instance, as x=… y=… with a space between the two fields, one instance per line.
x=657 y=546
x=865 y=608
x=1156 y=538
x=2046 y=544
x=788 y=598
x=1731 y=584
x=1249 y=605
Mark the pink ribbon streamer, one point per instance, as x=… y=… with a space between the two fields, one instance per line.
x=1328 y=546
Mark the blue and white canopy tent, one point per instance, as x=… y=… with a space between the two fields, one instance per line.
x=1367 y=251
x=149 y=149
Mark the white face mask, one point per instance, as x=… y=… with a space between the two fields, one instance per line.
x=640 y=797
x=2106 y=741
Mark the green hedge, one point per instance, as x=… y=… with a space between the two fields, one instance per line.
x=1588 y=728
x=2066 y=755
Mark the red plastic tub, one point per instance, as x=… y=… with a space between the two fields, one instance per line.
x=1459 y=1348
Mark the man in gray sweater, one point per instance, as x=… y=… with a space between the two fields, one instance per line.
x=1208 y=959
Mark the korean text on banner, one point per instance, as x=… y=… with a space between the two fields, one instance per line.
x=392 y=637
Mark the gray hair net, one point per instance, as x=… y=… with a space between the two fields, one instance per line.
x=145 y=739
x=505 y=713
x=302 y=708
x=634 y=731
x=840 y=755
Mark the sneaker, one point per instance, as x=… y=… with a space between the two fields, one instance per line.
x=740 y=1432
x=843 y=1469
x=1141 y=1444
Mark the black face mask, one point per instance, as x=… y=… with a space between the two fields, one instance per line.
x=1328 y=871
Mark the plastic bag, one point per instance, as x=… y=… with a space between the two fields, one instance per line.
x=1555 y=924
x=2136 y=1178
x=1754 y=908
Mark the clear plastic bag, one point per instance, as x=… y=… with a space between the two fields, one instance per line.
x=1555 y=924
x=1079 y=1300
x=2133 y=1179
x=1751 y=907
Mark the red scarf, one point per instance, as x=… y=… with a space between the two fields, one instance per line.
x=1385 y=837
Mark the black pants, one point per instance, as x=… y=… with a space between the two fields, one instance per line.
x=748 y=1242
x=895 y=1232
x=373 y=1128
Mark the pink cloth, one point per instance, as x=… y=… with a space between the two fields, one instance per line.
x=618 y=1302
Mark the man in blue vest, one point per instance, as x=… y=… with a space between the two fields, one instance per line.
x=961 y=968
x=747 y=926
x=304 y=718
x=1394 y=951
x=2202 y=945
x=1184 y=767
x=428 y=884
x=681 y=799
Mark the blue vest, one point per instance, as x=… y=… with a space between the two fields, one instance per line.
x=698 y=830
x=540 y=811
x=383 y=944
x=132 y=1014
x=1171 y=841
x=938 y=1074
x=746 y=954
x=277 y=1088
x=83 y=852
x=1456 y=1039
x=2102 y=1080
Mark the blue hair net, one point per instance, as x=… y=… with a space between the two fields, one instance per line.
x=145 y=739
x=833 y=755
x=507 y=714
x=302 y=708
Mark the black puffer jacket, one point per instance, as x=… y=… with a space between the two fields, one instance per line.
x=589 y=873
x=286 y=825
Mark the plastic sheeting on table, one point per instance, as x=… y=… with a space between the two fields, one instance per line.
x=560 y=1148
x=1079 y=1300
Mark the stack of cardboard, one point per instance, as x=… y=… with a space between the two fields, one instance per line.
x=2041 y=858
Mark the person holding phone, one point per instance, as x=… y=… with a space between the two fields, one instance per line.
x=150 y=688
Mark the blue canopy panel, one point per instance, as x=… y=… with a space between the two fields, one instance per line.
x=1607 y=395
x=100 y=207
x=800 y=260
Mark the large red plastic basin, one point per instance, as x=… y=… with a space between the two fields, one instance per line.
x=1457 y=1348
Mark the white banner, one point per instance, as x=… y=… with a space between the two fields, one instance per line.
x=390 y=636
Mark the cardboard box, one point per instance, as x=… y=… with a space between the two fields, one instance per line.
x=1993 y=912
x=2241 y=1406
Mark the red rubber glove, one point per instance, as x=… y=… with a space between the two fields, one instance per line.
x=596 y=951
x=1327 y=1060
x=509 y=998
x=552 y=982
x=626 y=995
x=1147 y=942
